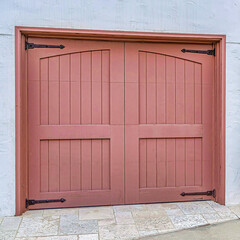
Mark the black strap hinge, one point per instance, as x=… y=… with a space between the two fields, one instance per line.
x=33 y=45
x=207 y=193
x=208 y=52
x=33 y=202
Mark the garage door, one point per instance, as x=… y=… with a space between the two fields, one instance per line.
x=114 y=122
x=76 y=123
x=168 y=117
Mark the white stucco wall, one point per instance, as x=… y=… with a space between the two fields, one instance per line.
x=179 y=16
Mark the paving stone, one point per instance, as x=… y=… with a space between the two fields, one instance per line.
x=113 y=232
x=195 y=207
x=122 y=208
x=7 y=235
x=235 y=209
x=219 y=208
x=70 y=224
x=214 y=204
x=169 y=205
x=148 y=214
x=133 y=208
x=174 y=212
x=148 y=233
x=105 y=222
x=60 y=212
x=163 y=231
x=10 y=223
x=154 y=207
x=138 y=207
x=38 y=226
x=27 y=238
x=172 y=209
x=70 y=237
x=33 y=213
x=124 y=218
x=212 y=217
x=227 y=215
x=96 y=213
x=88 y=237
x=188 y=221
x=118 y=222
x=153 y=223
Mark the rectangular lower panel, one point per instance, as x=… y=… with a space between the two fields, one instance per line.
x=171 y=162
x=73 y=165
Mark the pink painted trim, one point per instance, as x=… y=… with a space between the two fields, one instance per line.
x=219 y=40
x=17 y=117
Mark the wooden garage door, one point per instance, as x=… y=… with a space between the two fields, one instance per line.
x=106 y=129
x=168 y=122
x=76 y=123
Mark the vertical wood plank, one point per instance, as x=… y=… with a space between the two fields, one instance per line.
x=86 y=88
x=143 y=87
x=105 y=164
x=64 y=90
x=143 y=163
x=44 y=91
x=44 y=166
x=65 y=165
x=96 y=88
x=151 y=88
x=151 y=163
x=180 y=97
x=170 y=90
x=161 y=86
x=54 y=166
x=54 y=91
x=190 y=171
x=75 y=165
x=96 y=165
x=86 y=164
x=198 y=162
x=105 y=87
x=190 y=119
x=180 y=162
x=161 y=163
x=170 y=162
x=75 y=88
x=189 y=92
x=198 y=93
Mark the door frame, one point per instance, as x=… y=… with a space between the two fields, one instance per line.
x=21 y=141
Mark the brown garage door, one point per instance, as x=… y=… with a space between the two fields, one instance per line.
x=76 y=123
x=168 y=122
x=79 y=126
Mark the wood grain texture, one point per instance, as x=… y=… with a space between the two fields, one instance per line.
x=168 y=123
x=76 y=124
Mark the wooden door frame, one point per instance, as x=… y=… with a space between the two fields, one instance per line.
x=21 y=33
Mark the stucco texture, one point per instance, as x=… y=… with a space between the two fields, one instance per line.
x=184 y=16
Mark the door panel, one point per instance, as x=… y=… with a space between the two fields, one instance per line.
x=168 y=117
x=76 y=123
x=107 y=129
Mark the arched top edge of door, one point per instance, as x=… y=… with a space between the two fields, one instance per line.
x=74 y=52
x=168 y=55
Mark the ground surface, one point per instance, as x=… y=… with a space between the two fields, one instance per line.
x=117 y=222
x=224 y=231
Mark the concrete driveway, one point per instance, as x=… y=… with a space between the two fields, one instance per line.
x=223 y=231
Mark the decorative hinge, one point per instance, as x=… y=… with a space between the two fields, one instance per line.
x=208 y=52
x=33 y=202
x=207 y=193
x=33 y=45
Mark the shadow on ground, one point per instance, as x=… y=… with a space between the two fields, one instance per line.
x=223 y=231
